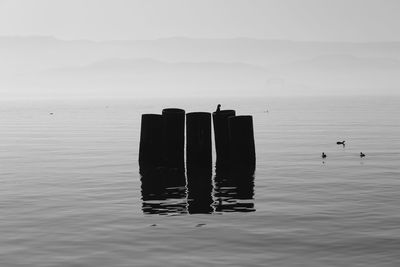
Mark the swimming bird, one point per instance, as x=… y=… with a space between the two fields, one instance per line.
x=323 y=155
x=218 y=108
x=340 y=143
x=362 y=155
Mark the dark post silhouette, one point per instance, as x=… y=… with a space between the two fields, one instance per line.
x=198 y=139
x=241 y=141
x=150 y=148
x=173 y=133
x=221 y=133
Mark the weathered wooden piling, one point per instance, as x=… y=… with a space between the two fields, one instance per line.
x=150 y=148
x=173 y=134
x=221 y=133
x=241 y=142
x=198 y=139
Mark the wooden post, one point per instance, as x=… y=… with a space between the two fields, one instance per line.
x=221 y=133
x=198 y=139
x=173 y=133
x=241 y=140
x=150 y=148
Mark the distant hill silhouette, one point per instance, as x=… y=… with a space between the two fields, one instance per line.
x=340 y=62
x=241 y=66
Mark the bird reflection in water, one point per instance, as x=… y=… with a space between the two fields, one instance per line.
x=168 y=192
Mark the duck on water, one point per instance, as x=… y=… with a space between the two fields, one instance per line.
x=341 y=143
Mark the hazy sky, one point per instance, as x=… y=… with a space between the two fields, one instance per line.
x=323 y=20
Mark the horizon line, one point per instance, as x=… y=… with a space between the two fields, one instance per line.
x=198 y=38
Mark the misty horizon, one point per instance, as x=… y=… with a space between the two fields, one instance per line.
x=86 y=39
x=205 y=48
x=45 y=66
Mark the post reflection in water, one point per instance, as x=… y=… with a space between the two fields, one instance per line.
x=199 y=189
x=163 y=191
x=167 y=192
x=234 y=189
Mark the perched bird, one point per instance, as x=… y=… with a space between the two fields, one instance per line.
x=362 y=155
x=323 y=155
x=340 y=143
x=218 y=108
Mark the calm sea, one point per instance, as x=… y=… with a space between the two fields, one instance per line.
x=71 y=192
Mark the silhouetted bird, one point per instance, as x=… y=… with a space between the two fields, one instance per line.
x=362 y=155
x=323 y=155
x=218 y=108
x=340 y=143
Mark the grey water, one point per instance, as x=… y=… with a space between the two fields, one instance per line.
x=71 y=193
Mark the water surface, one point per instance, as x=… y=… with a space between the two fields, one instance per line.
x=71 y=192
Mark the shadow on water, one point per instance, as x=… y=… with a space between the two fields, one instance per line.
x=168 y=192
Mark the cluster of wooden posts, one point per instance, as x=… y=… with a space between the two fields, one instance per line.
x=162 y=139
